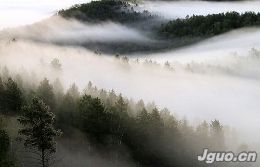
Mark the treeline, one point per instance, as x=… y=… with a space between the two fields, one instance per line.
x=105 y=10
x=208 y=26
x=117 y=127
x=167 y=34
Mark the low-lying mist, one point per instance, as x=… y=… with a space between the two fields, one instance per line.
x=239 y=41
x=207 y=91
x=62 y=31
x=180 y=9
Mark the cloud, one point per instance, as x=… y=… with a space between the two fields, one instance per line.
x=15 y=13
x=58 y=30
x=231 y=99
x=180 y=9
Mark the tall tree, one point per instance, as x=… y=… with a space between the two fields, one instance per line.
x=93 y=118
x=1 y=94
x=5 y=74
x=39 y=132
x=58 y=90
x=74 y=91
x=12 y=95
x=45 y=93
x=66 y=113
x=217 y=135
x=4 y=146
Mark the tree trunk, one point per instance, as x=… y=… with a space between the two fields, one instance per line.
x=43 y=158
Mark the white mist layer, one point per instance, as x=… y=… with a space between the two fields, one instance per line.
x=180 y=9
x=240 y=41
x=233 y=100
x=15 y=13
x=58 y=30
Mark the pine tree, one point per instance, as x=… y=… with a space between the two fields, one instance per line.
x=39 y=132
x=12 y=95
x=4 y=146
x=1 y=94
x=45 y=93
x=217 y=135
x=74 y=91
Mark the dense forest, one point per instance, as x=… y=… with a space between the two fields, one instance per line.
x=210 y=25
x=99 y=123
x=97 y=11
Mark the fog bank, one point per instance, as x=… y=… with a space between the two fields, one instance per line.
x=231 y=99
x=180 y=9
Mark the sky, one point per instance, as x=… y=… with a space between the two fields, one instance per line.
x=22 y=12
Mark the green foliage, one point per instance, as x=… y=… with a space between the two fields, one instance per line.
x=66 y=113
x=199 y=27
x=116 y=127
x=1 y=94
x=38 y=130
x=74 y=91
x=5 y=74
x=166 y=34
x=104 y=10
x=93 y=118
x=12 y=99
x=45 y=93
x=4 y=146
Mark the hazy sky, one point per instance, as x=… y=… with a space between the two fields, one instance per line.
x=21 y=12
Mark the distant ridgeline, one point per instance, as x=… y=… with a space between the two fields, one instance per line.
x=166 y=34
x=208 y=26
x=96 y=11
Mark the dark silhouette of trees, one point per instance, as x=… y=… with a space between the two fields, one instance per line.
x=45 y=93
x=37 y=122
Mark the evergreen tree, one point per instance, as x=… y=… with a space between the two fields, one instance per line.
x=39 y=132
x=58 y=90
x=217 y=135
x=45 y=93
x=74 y=91
x=65 y=113
x=12 y=95
x=92 y=117
x=4 y=146
x=5 y=74
x=1 y=94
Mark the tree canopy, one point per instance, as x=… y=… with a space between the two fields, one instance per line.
x=38 y=131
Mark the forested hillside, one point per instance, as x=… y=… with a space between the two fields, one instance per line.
x=210 y=25
x=97 y=11
x=100 y=123
x=167 y=34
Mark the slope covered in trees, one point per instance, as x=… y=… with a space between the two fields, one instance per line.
x=105 y=10
x=167 y=34
x=120 y=130
x=208 y=26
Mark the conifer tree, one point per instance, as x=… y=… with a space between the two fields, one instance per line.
x=39 y=132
